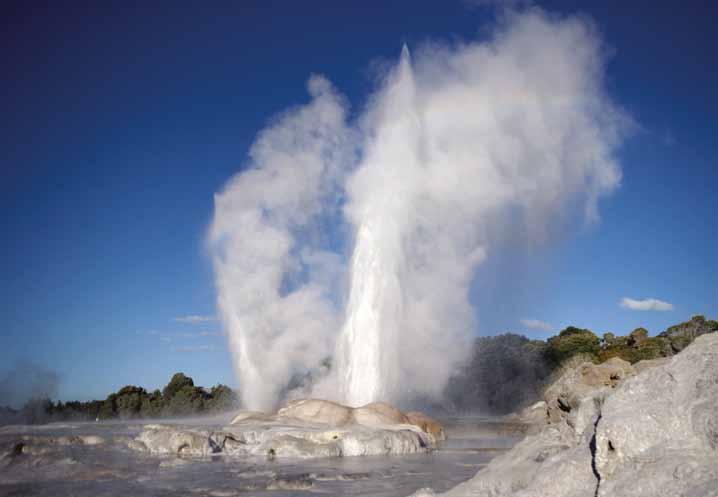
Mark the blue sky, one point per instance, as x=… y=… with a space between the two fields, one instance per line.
x=119 y=125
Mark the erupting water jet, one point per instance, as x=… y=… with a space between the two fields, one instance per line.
x=458 y=147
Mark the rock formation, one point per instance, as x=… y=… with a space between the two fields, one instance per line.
x=612 y=432
x=303 y=428
x=570 y=390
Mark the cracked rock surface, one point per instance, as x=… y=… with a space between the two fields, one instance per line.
x=614 y=432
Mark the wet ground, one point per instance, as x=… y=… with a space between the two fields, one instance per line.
x=93 y=459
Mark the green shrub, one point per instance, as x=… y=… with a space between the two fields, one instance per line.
x=177 y=383
x=569 y=342
x=221 y=398
x=188 y=400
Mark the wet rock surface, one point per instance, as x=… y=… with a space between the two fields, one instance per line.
x=375 y=414
x=616 y=433
x=306 y=428
x=142 y=460
x=279 y=439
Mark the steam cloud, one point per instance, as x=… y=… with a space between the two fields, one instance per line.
x=27 y=381
x=359 y=239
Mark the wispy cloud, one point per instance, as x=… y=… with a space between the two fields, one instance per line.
x=649 y=304
x=195 y=319
x=194 y=348
x=535 y=324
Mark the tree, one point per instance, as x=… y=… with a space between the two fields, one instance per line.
x=153 y=405
x=569 y=342
x=187 y=401
x=637 y=336
x=222 y=398
x=128 y=401
x=177 y=383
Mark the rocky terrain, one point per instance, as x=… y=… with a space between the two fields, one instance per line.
x=210 y=457
x=303 y=429
x=616 y=429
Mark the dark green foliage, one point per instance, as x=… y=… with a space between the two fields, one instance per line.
x=177 y=383
x=186 y=401
x=107 y=410
x=569 y=342
x=635 y=347
x=638 y=346
x=505 y=372
x=128 y=402
x=75 y=410
x=221 y=398
x=153 y=405
x=638 y=336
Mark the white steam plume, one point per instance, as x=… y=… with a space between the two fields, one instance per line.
x=270 y=265
x=456 y=141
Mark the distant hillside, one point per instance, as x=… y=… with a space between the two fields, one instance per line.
x=509 y=371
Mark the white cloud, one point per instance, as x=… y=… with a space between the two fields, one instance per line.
x=195 y=319
x=645 y=305
x=535 y=324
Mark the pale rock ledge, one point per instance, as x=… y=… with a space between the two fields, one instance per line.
x=302 y=429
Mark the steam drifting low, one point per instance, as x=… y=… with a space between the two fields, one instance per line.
x=358 y=239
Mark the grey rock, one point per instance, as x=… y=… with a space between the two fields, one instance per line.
x=654 y=434
x=288 y=438
x=91 y=440
x=137 y=445
x=646 y=364
x=663 y=424
x=576 y=384
x=166 y=440
x=325 y=412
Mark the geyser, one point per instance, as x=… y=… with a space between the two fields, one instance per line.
x=458 y=146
